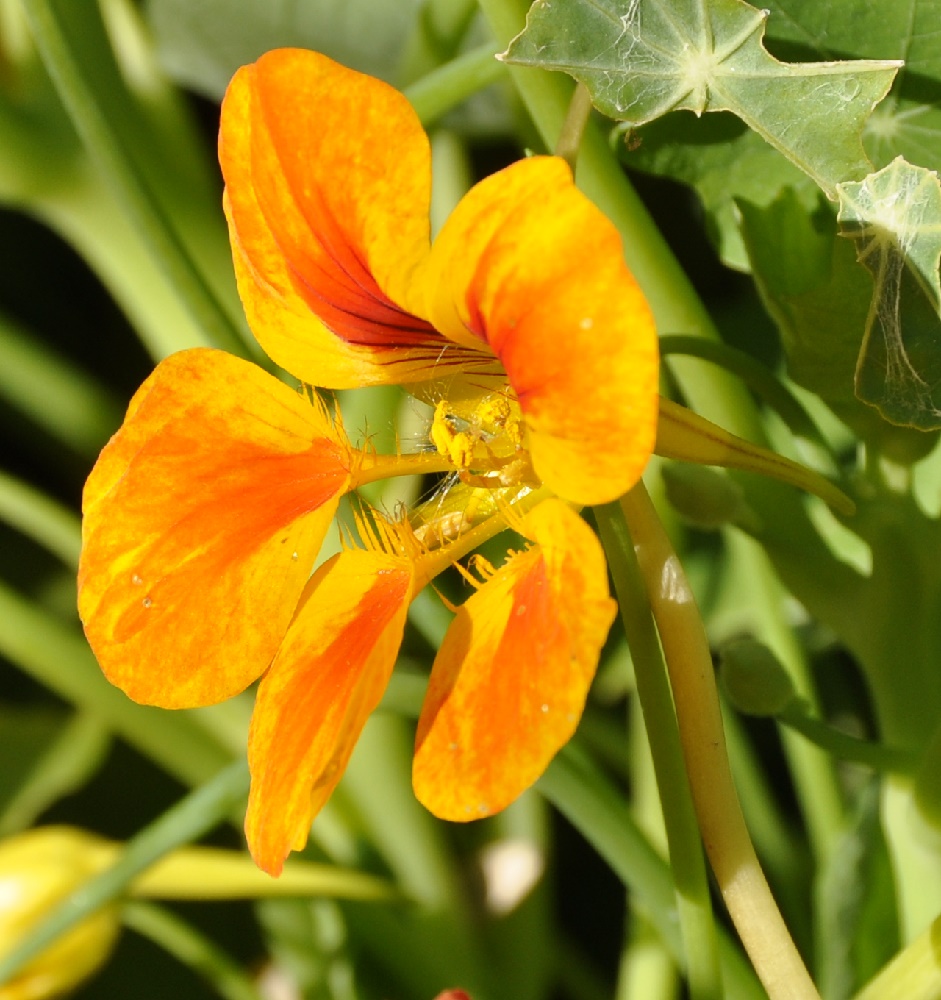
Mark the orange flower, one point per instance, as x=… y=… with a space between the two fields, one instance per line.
x=205 y=513
x=328 y=188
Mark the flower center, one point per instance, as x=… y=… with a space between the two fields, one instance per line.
x=484 y=439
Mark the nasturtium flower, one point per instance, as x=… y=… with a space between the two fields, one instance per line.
x=205 y=513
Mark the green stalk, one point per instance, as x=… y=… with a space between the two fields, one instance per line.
x=97 y=125
x=597 y=810
x=444 y=88
x=731 y=854
x=653 y=690
x=188 y=820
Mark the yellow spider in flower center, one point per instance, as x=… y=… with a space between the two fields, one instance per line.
x=485 y=434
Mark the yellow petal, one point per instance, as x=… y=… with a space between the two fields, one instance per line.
x=527 y=266
x=509 y=683
x=328 y=187
x=203 y=517
x=313 y=703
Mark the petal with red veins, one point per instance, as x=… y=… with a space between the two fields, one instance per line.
x=328 y=188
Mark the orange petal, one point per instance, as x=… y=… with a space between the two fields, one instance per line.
x=509 y=683
x=314 y=701
x=203 y=517
x=528 y=265
x=328 y=188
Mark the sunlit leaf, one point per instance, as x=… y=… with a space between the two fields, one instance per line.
x=643 y=59
x=894 y=217
x=908 y=121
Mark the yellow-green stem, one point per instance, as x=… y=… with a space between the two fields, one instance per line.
x=573 y=128
x=728 y=845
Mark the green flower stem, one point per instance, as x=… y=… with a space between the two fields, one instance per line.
x=444 y=88
x=189 y=819
x=39 y=517
x=58 y=657
x=686 y=648
x=816 y=784
x=103 y=138
x=596 y=808
x=844 y=746
x=573 y=128
x=914 y=973
x=653 y=690
x=192 y=948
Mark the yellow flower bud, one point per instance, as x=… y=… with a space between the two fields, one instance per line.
x=38 y=869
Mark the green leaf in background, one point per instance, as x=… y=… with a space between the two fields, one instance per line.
x=725 y=162
x=894 y=216
x=201 y=45
x=908 y=121
x=814 y=290
x=641 y=60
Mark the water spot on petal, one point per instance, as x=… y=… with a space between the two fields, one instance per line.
x=521 y=609
x=294 y=556
x=147 y=602
x=544 y=709
x=587 y=323
x=136 y=580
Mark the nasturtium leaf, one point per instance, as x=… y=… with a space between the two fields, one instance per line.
x=894 y=217
x=643 y=58
x=818 y=295
x=908 y=121
x=814 y=290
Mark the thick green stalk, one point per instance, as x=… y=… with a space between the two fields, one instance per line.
x=653 y=690
x=686 y=648
x=596 y=808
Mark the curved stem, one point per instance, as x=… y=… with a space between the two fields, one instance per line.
x=728 y=845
